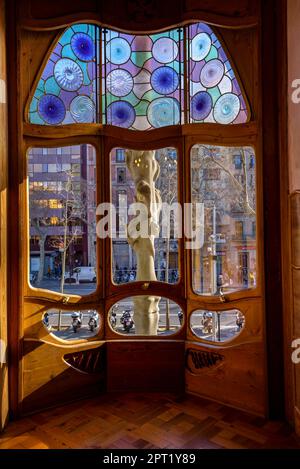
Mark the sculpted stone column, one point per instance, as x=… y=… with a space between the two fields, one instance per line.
x=145 y=170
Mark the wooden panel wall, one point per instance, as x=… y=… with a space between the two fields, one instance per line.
x=291 y=199
x=3 y=226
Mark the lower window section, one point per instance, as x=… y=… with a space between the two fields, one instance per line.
x=146 y=315
x=72 y=325
x=217 y=326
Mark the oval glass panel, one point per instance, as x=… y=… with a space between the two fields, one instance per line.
x=145 y=315
x=217 y=326
x=72 y=325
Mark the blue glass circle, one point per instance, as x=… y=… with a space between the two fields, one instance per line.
x=165 y=50
x=118 y=51
x=82 y=109
x=51 y=109
x=83 y=46
x=164 y=80
x=227 y=108
x=163 y=111
x=121 y=114
x=201 y=105
x=200 y=46
x=68 y=74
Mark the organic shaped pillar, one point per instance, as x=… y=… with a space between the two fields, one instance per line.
x=145 y=170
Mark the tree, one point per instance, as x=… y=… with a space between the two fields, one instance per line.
x=72 y=206
x=167 y=184
x=223 y=178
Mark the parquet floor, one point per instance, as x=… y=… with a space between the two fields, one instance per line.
x=146 y=421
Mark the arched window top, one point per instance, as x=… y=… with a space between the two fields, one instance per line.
x=136 y=81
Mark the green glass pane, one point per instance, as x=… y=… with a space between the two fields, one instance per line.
x=66 y=37
x=38 y=93
x=67 y=52
x=80 y=28
x=131 y=98
x=213 y=54
x=215 y=93
x=33 y=105
x=51 y=86
x=154 y=37
x=36 y=119
x=40 y=85
x=139 y=58
x=141 y=108
x=83 y=66
x=151 y=95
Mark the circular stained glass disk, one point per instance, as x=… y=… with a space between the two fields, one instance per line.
x=212 y=73
x=82 y=109
x=83 y=46
x=165 y=50
x=121 y=114
x=227 y=108
x=164 y=80
x=163 y=111
x=200 y=46
x=51 y=109
x=118 y=51
x=201 y=105
x=119 y=82
x=68 y=74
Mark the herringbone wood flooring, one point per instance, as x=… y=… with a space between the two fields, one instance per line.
x=146 y=421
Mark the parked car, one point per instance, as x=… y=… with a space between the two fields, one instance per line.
x=81 y=274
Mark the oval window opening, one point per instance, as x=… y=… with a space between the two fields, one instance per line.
x=72 y=325
x=217 y=326
x=148 y=315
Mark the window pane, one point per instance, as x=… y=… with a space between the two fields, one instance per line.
x=146 y=315
x=72 y=325
x=143 y=79
x=67 y=90
x=225 y=260
x=149 y=176
x=217 y=326
x=62 y=209
x=215 y=95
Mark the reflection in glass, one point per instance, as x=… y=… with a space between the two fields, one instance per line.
x=62 y=208
x=72 y=325
x=124 y=317
x=217 y=326
x=223 y=181
x=125 y=191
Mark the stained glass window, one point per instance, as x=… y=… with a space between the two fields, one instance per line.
x=141 y=78
x=67 y=90
x=215 y=95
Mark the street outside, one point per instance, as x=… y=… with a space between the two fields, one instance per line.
x=70 y=288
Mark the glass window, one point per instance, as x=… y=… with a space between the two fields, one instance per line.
x=151 y=178
x=120 y=155
x=72 y=325
x=217 y=326
x=65 y=227
x=121 y=175
x=215 y=94
x=142 y=79
x=146 y=315
x=225 y=258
